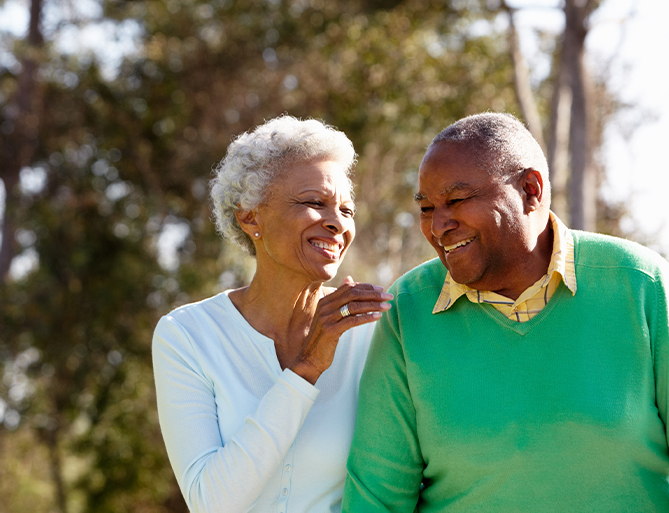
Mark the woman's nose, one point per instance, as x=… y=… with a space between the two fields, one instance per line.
x=335 y=222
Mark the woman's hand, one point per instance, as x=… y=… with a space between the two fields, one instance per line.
x=365 y=303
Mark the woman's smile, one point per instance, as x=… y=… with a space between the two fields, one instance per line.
x=330 y=249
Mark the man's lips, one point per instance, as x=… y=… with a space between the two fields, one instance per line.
x=464 y=242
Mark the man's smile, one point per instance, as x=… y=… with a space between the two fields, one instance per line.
x=448 y=249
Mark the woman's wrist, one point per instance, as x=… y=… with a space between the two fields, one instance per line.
x=306 y=371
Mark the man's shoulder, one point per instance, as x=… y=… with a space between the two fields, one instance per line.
x=428 y=275
x=598 y=250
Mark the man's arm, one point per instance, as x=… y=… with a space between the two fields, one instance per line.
x=659 y=333
x=385 y=465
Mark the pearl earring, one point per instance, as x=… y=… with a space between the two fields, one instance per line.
x=257 y=234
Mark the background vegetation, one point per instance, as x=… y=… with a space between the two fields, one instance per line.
x=106 y=170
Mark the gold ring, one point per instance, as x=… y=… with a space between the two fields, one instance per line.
x=344 y=311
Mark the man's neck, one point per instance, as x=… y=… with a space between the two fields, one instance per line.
x=534 y=266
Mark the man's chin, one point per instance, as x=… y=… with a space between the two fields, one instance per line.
x=462 y=276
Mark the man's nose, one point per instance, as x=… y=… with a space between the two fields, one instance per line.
x=442 y=222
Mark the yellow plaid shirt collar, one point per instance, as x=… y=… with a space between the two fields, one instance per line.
x=530 y=302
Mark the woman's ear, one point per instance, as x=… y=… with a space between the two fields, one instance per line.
x=249 y=222
x=533 y=187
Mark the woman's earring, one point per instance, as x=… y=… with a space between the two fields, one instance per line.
x=257 y=234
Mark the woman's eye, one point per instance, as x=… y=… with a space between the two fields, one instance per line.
x=426 y=210
x=455 y=201
x=347 y=212
x=314 y=203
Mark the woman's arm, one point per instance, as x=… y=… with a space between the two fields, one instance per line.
x=214 y=477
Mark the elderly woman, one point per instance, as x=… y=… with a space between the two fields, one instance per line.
x=257 y=387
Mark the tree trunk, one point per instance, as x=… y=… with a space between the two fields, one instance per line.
x=582 y=185
x=521 y=79
x=50 y=439
x=558 y=142
x=18 y=148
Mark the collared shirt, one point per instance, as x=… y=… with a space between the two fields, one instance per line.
x=533 y=299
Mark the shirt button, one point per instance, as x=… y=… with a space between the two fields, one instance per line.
x=289 y=468
x=284 y=491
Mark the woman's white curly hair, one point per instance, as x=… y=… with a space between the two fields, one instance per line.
x=254 y=159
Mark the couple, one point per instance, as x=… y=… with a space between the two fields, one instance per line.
x=545 y=388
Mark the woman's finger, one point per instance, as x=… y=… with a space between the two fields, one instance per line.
x=351 y=305
x=357 y=320
x=355 y=292
x=362 y=307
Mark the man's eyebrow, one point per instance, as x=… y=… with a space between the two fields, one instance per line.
x=457 y=186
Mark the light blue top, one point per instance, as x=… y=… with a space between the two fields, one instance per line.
x=241 y=434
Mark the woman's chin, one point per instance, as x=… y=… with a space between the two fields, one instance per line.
x=325 y=273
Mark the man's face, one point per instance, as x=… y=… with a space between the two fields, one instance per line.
x=475 y=221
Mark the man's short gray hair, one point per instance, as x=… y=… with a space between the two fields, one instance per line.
x=499 y=142
x=254 y=159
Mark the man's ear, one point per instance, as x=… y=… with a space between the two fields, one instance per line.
x=249 y=222
x=533 y=187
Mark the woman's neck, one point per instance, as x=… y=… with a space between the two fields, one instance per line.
x=282 y=310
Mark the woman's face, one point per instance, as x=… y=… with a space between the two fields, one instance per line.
x=306 y=225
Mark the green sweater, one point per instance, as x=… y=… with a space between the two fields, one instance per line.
x=466 y=410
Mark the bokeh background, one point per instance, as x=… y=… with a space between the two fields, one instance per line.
x=112 y=113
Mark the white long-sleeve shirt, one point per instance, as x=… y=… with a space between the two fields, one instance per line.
x=241 y=434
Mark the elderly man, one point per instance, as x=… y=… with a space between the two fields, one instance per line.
x=524 y=370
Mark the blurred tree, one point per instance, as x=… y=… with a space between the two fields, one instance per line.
x=119 y=230
x=573 y=101
x=20 y=129
x=522 y=83
x=576 y=119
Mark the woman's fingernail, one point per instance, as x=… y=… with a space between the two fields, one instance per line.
x=385 y=306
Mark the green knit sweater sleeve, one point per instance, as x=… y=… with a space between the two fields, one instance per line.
x=385 y=465
x=659 y=336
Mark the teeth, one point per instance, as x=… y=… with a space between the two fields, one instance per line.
x=334 y=248
x=447 y=249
